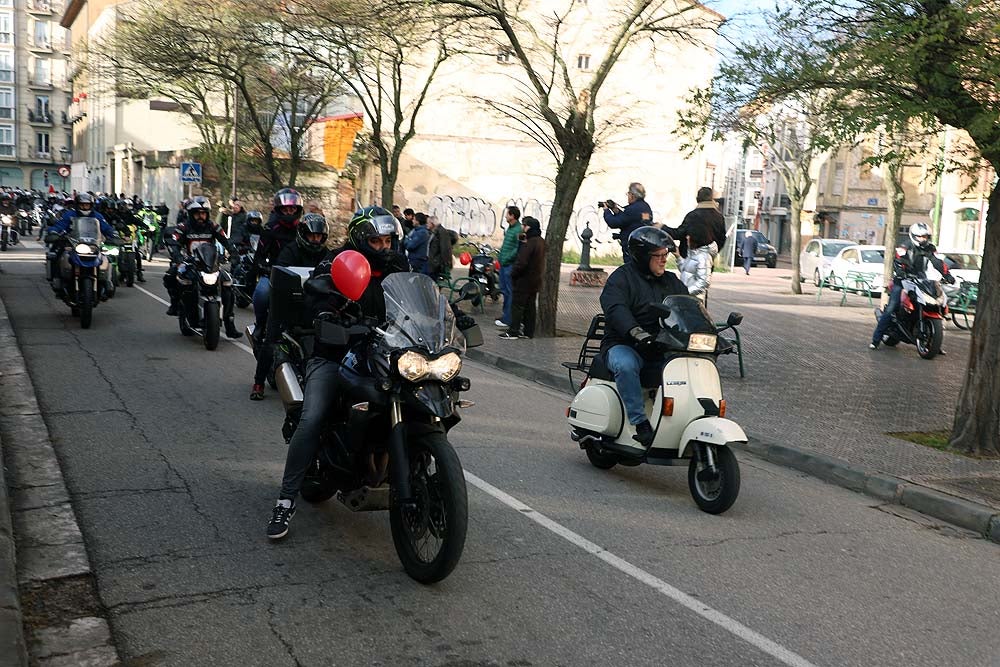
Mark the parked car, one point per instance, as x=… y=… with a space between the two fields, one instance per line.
x=963 y=264
x=864 y=258
x=766 y=253
x=817 y=256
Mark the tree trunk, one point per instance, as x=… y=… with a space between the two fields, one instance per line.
x=977 y=416
x=897 y=200
x=569 y=178
x=795 y=228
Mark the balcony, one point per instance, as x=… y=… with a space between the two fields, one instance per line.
x=35 y=82
x=41 y=155
x=39 y=118
x=38 y=6
x=40 y=45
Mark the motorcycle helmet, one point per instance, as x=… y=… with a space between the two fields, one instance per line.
x=254 y=219
x=369 y=223
x=84 y=204
x=123 y=206
x=644 y=241
x=199 y=203
x=311 y=226
x=287 y=197
x=920 y=234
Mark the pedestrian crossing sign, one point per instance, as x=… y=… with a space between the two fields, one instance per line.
x=190 y=172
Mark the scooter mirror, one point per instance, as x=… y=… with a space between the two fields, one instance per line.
x=734 y=319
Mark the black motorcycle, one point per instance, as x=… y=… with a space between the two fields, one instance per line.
x=199 y=279
x=919 y=319
x=386 y=446
x=484 y=268
x=244 y=276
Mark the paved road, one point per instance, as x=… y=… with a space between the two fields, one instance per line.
x=173 y=472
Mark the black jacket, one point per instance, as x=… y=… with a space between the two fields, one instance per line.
x=294 y=255
x=626 y=299
x=186 y=233
x=704 y=223
x=273 y=238
x=911 y=260
x=632 y=217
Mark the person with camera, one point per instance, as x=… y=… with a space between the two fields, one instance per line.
x=636 y=213
x=632 y=326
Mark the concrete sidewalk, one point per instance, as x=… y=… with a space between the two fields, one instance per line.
x=814 y=397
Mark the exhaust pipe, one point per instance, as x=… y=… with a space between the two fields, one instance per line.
x=288 y=387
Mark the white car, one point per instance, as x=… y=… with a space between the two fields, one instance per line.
x=817 y=256
x=864 y=258
x=963 y=264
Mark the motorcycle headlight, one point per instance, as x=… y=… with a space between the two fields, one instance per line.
x=83 y=249
x=445 y=368
x=111 y=252
x=701 y=343
x=412 y=366
x=210 y=278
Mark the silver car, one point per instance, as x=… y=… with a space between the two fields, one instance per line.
x=818 y=255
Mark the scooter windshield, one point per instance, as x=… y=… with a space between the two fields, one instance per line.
x=418 y=315
x=687 y=316
x=86 y=229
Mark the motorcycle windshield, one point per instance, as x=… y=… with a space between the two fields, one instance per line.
x=687 y=316
x=206 y=257
x=86 y=229
x=418 y=315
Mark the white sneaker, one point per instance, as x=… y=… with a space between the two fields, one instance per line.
x=501 y=324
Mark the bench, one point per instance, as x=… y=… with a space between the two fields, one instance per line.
x=963 y=304
x=857 y=282
x=591 y=348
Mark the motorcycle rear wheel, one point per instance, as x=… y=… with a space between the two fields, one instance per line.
x=440 y=518
x=599 y=459
x=717 y=493
x=929 y=337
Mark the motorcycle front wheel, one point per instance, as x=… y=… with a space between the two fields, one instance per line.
x=714 y=491
x=930 y=333
x=212 y=325
x=430 y=536
x=86 y=302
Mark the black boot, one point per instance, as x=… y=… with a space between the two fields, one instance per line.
x=643 y=434
x=174 y=310
x=139 y=278
x=232 y=331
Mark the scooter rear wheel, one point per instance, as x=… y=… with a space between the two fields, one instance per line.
x=600 y=459
x=714 y=492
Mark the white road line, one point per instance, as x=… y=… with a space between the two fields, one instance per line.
x=773 y=649
x=245 y=348
x=731 y=625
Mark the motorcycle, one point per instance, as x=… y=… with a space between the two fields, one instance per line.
x=284 y=302
x=24 y=221
x=152 y=237
x=127 y=264
x=484 y=268
x=8 y=232
x=83 y=267
x=919 y=319
x=113 y=253
x=201 y=294
x=386 y=445
x=244 y=276
x=684 y=404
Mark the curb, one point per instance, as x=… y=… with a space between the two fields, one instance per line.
x=49 y=553
x=957 y=511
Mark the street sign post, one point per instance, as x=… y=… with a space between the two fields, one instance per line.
x=64 y=173
x=190 y=174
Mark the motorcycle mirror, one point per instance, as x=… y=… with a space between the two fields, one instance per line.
x=734 y=319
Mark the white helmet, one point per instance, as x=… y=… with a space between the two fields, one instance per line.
x=920 y=233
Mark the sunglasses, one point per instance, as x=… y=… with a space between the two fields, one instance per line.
x=659 y=255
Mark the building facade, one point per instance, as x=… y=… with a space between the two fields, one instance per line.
x=34 y=125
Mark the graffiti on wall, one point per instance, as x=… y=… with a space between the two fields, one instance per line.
x=466 y=215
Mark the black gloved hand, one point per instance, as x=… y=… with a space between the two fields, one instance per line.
x=948 y=278
x=643 y=339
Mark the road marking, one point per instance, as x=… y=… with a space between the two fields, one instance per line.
x=773 y=649
x=245 y=348
x=733 y=626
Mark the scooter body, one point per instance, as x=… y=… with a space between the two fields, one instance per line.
x=685 y=407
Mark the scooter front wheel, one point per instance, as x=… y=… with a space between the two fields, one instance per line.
x=714 y=489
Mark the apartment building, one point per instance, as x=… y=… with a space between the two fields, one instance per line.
x=34 y=99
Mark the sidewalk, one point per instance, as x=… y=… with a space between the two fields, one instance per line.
x=813 y=390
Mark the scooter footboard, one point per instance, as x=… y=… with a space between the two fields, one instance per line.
x=712 y=430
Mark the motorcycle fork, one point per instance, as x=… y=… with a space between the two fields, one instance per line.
x=399 y=462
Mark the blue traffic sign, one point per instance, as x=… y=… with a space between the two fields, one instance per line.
x=190 y=172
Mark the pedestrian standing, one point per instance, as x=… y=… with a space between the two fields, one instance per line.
x=748 y=248
x=705 y=217
x=508 y=254
x=527 y=281
x=416 y=244
x=439 y=257
x=636 y=214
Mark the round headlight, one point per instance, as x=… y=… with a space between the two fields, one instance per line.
x=446 y=367
x=83 y=249
x=210 y=278
x=412 y=366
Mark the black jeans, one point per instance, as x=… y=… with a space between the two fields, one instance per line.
x=322 y=382
x=522 y=313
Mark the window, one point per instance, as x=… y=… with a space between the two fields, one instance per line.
x=503 y=56
x=6 y=140
x=6 y=3
x=42 y=71
x=42 y=33
x=42 y=142
x=42 y=105
x=6 y=66
x=583 y=61
x=6 y=28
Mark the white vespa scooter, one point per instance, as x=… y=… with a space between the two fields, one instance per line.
x=683 y=402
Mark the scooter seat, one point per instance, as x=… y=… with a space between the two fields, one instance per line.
x=649 y=376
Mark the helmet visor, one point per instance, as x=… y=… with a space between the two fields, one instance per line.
x=384 y=225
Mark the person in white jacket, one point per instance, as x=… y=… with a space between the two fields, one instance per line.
x=696 y=268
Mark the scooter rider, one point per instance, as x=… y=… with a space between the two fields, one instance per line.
x=371 y=233
x=912 y=257
x=83 y=206
x=198 y=228
x=631 y=325
x=308 y=250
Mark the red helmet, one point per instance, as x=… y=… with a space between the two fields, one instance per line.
x=465 y=258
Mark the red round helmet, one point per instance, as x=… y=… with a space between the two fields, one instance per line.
x=465 y=258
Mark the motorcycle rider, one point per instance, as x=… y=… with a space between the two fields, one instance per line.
x=912 y=257
x=278 y=232
x=631 y=325
x=308 y=250
x=199 y=228
x=83 y=206
x=371 y=233
x=124 y=218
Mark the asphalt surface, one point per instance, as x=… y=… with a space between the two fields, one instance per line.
x=173 y=472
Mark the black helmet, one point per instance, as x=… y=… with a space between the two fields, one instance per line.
x=643 y=241
x=287 y=197
x=123 y=205
x=371 y=222
x=311 y=223
x=83 y=199
x=255 y=218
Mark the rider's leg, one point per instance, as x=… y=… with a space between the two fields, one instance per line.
x=886 y=318
x=625 y=363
